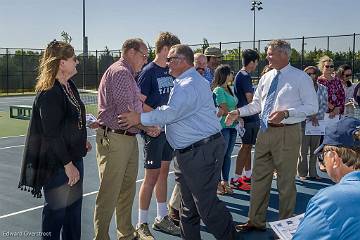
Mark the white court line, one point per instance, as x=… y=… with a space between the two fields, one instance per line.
x=16 y=146
x=12 y=137
x=41 y=206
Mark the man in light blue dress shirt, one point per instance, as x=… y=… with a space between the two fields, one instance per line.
x=193 y=130
x=334 y=212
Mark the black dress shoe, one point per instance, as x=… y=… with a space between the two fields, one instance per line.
x=247 y=227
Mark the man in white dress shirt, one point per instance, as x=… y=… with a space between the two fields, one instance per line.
x=284 y=96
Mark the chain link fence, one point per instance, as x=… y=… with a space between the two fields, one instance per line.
x=19 y=67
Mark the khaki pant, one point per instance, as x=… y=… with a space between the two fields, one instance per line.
x=175 y=199
x=275 y=149
x=308 y=142
x=118 y=165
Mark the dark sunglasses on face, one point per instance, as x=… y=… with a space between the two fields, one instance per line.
x=329 y=66
x=320 y=157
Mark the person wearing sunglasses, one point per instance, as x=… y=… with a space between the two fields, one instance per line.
x=344 y=73
x=334 y=212
x=311 y=142
x=336 y=94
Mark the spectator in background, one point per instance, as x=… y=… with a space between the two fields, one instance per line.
x=56 y=144
x=244 y=91
x=333 y=213
x=214 y=56
x=226 y=100
x=311 y=142
x=266 y=69
x=336 y=94
x=357 y=94
x=156 y=83
x=344 y=73
x=200 y=63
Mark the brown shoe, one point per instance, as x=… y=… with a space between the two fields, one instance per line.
x=248 y=227
x=174 y=215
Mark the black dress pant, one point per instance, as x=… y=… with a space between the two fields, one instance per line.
x=62 y=207
x=198 y=172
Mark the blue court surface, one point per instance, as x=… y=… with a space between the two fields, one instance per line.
x=20 y=213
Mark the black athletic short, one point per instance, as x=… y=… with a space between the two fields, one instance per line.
x=156 y=149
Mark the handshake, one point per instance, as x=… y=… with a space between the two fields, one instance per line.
x=132 y=119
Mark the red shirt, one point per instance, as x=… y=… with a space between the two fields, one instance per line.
x=118 y=90
x=336 y=94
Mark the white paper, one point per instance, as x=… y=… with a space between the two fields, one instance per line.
x=286 y=228
x=315 y=130
x=90 y=119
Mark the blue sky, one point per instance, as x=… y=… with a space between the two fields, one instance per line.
x=32 y=24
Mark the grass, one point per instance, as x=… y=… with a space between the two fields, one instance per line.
x=10 y=126
x=14 y=127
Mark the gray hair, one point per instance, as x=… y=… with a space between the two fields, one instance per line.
x=281 y=45
x=185 y=51
x=133 y=43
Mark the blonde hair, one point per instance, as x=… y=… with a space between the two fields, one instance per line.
x=165 y=39
x=322 y=62
x=49 y=64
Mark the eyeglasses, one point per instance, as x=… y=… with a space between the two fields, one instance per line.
x=321 y=156
x=168 y=59
x=329 y=66
x=145 y=56
x=311 y=73
x=347 y=75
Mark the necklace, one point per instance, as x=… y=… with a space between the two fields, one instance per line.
x=70 y=95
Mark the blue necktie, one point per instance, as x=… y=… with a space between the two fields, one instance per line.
x=269 y=103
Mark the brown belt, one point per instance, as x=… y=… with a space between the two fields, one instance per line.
x=118 y=131
x=276 y=125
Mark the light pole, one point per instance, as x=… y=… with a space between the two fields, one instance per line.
x=85 y=48
x=255 y=5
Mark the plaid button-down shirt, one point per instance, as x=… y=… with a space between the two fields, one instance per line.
x=118 y=90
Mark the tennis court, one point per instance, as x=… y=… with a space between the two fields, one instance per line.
x=20 y=212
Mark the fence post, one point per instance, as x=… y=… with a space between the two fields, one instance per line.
x=7 y=71
x=83 y=77
x=328 y=43
x=239 y=55
x=96 y=69
x=302 y=52
x=353 y=58
x=220 y=46
x=22 y=70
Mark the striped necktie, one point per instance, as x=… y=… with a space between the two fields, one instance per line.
x=269 y=103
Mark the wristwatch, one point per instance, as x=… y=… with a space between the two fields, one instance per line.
x=286 y=114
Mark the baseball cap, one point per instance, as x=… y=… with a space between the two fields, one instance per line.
x=341 y=134
x=213 y=52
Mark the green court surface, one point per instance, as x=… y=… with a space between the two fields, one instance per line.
x=10 y=126
x=15 y=127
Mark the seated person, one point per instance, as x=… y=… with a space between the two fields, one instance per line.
x=334 y=212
